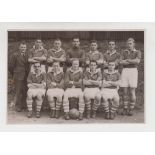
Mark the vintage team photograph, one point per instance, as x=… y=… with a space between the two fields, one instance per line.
x=75 y=77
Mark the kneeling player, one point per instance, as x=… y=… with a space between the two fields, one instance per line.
x=55 y=85
x=92 y=82
x=73 y=82
x=109 y=91
x=36 y=84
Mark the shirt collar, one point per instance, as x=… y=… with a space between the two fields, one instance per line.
x=92 y=73
x=59 y=71
x=94 y=52
x=56 y=51
x=37 y=74
x=134 y=50
x=79 y=70
x=106 y=71
x=110 y=52
x=41 y=47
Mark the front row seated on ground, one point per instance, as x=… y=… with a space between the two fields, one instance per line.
x=73 y=82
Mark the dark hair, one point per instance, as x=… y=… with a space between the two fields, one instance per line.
x=93 y=41
x=57 y=39
x=93 y=61
x=22 y=43
x=76 y=37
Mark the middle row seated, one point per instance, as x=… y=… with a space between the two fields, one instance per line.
x=71 y=84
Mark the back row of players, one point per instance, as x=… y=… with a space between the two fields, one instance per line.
x=76 y=74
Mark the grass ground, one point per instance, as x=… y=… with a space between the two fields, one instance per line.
x=16 y=118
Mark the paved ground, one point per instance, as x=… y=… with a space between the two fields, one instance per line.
x=20 y=118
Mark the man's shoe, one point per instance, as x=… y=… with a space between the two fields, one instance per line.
x=67 y=116
x=88 y=114
x=107 y=116
x=38 y=114
x=29 y=114
x=57 y=114
x=112 y=115
x=131 y=112
x=125 y=112
x=52 y=113
x=18 y=109
x=93 y=114
x=80 y=116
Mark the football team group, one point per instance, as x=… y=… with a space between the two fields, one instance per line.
x=91 y=77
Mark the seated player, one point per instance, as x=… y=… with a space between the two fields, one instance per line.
x=92 y=81
x=130 y=59
x=37 y=54
x=94 y=54
x=56 y=54
x=55 y=85
x=73 y=82
x=36 y=83
x=111 y=55
x=109 y=91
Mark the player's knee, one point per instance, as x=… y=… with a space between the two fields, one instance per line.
x=98 y=97
x=87 y=97
x=40 y=96
x=59 y=99
x=50 y=98
x=116 y=100
x=29 y=96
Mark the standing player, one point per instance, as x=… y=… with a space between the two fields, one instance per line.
x=73 y=82
x=38 y=54
x=56 y=54
x=92 y=81
x=94 y=54
x=75 y=52
x=18 y=68
x=111 y=55
x=130 y=59
x=36 y=83
x=109 y=91
x=55 y=85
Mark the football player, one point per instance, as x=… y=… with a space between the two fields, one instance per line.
x=36 y=83
x=55 y=85
x=94 y=54
x=130 y=60
x=109 y=90
x=92 y=81
x=37 y=54
x=75 y=52
x=73 y=82
x=56 y=54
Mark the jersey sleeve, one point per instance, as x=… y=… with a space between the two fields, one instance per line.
x=139 y=54
x=30 y=53
x=29 y=78
x=45 y=53
x=99 y=76
x=85 y=76
x=61 y=84
x=118 y=76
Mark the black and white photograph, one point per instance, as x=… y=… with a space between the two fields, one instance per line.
x=75 y=76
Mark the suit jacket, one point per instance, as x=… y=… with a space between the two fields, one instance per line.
x=19 y=66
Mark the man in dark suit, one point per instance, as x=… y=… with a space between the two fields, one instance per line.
x=18 y=67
